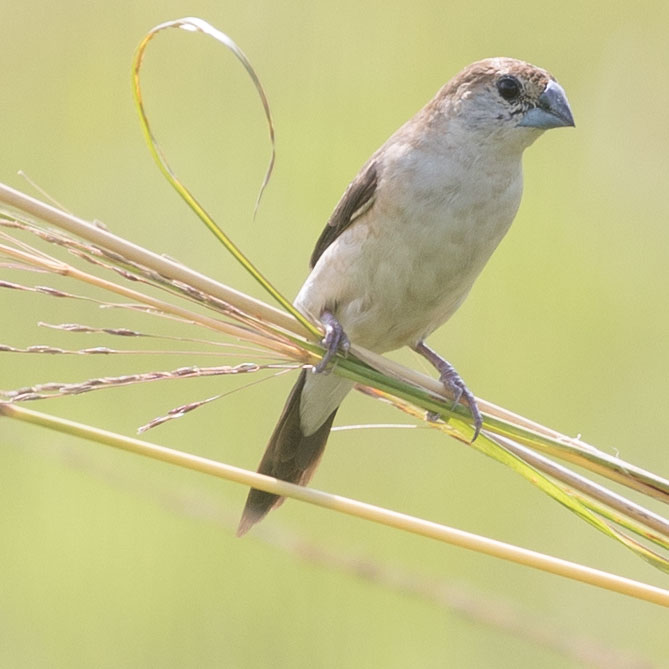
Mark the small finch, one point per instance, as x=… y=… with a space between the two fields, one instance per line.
x=407 y=240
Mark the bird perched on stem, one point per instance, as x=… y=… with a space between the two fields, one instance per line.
x=407 y=240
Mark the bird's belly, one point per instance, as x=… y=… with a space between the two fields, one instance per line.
x=391 y=285
x=404 y=295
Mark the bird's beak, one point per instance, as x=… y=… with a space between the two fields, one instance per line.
x=552 y=110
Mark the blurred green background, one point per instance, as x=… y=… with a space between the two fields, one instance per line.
x=108 y=560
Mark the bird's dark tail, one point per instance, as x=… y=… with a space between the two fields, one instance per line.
x=290 y=456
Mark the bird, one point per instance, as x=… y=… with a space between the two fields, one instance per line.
x=406 y=241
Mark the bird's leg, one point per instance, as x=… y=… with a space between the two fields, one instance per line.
x=452 y=382
x=335 y=340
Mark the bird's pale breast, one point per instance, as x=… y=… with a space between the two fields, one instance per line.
x=399 y=272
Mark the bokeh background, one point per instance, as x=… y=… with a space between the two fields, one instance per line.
x=108 y=560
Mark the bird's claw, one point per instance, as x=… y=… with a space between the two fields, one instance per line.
x=335 y=340
x=457 y=388
x=453 y=384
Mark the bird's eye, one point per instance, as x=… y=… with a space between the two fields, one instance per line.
x=508 y=87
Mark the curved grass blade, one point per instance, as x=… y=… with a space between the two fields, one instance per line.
x=192 y=24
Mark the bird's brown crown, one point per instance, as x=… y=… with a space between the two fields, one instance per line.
x=488 y=72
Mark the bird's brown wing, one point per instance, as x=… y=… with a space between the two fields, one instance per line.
x=357 y=199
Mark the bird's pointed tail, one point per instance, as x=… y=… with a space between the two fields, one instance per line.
x=290 y=456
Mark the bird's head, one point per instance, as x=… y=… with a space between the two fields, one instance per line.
x=504 y=97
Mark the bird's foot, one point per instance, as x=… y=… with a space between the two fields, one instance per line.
x=456 y=386
x=335 y=340
x=453 y=384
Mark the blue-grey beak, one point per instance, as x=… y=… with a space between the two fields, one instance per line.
x=552 y=110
